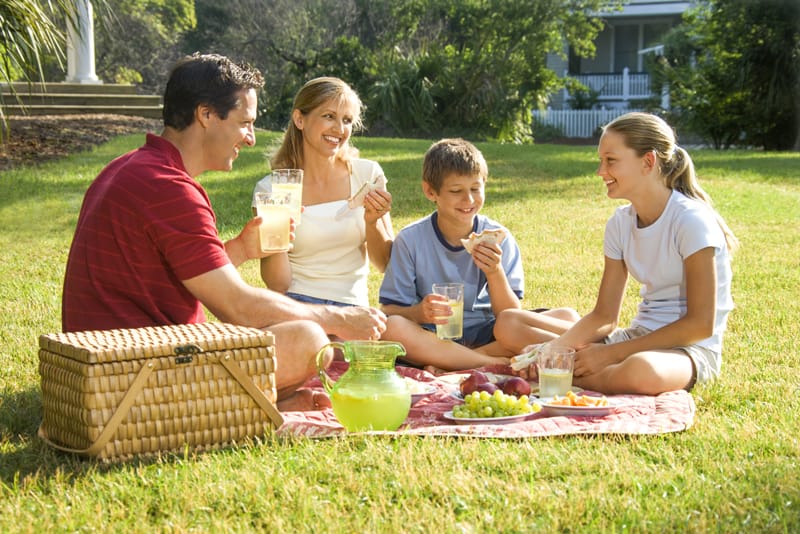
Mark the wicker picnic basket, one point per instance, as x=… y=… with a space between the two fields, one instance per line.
x=118 y=393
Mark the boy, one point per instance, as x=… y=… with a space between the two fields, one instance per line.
x=430 y=251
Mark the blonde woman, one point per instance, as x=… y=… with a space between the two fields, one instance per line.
x=675 y=245
x=337 y=236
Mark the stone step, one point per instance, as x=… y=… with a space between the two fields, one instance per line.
x=150 y=112
x=58 y=87
x=75 y=98
x=70 y=99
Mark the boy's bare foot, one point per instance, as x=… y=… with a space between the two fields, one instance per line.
x=304 y=400
x=432 y=369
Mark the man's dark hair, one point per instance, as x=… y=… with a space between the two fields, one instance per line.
x=208 y=79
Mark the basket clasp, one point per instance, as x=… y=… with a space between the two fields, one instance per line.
x=185 y=353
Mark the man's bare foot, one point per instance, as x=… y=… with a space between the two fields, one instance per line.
x=304 y=400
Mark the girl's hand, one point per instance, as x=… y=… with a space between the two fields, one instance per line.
x=524 y=364
x=377 y=204
x=487 y=257
x=593 y=358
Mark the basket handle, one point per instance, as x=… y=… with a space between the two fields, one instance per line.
x=116 y=419
x=255 y=393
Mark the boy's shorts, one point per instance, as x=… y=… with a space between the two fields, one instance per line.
x=474 y=337
x=705 y=362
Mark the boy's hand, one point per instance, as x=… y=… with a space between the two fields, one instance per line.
x=487 y=258
x=435 y=309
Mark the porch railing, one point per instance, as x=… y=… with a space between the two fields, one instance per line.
x=578 y=123
x=614 y=86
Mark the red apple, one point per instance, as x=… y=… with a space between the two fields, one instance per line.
x=472 y=381
x=487 y=387
x=516 y=386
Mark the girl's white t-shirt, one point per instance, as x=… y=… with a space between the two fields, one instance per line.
x=329 y=257
x=654 y=256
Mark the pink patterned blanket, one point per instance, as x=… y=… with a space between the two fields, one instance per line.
x=636 y=414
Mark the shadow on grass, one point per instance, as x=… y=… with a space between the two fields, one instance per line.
x=27 y=457
x=25 y=454
x=750 y=165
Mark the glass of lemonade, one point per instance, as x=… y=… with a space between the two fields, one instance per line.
x=555 y=365
x=275 y=212
x=454 y=328
x=289 y=181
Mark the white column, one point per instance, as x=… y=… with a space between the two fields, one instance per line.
x=626 y=84
x=665 y=96
x=80 y=45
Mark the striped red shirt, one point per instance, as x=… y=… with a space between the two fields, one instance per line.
x=144 y=226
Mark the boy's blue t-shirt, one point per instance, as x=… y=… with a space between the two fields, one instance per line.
x=421 y=257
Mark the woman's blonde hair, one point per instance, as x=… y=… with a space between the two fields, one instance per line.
x=312 y=95
x=645 y=132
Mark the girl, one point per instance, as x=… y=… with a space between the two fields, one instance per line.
x=328 y=263
x=672 y=241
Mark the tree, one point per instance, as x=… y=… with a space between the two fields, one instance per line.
x=31 y=32
x=483 y=63
x=734 y=72
x=473 y=67
x=142 y=40
x=27 y=33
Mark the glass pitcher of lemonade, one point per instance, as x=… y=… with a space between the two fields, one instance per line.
x=370 y=395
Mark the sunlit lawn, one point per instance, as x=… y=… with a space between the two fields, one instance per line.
x=735 y=470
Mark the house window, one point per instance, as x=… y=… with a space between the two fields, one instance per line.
x=626 y=46
x=600 y=63
x=654 y=33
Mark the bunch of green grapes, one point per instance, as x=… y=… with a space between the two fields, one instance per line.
x=480 y=404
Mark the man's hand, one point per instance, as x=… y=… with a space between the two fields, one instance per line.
x=247 y=245
x=354 y=322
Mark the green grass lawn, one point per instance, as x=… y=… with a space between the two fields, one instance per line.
x=735 y=470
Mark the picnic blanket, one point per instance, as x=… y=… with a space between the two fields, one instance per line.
x=637 y=414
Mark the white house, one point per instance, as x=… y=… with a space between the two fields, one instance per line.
x=618 y=71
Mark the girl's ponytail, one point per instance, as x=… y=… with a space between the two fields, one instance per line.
x=643 y=133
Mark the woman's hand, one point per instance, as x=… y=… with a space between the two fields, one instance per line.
x=377 y=204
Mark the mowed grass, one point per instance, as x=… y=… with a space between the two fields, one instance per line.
x=734 y=470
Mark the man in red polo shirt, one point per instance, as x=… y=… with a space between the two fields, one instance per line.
x=146 y=249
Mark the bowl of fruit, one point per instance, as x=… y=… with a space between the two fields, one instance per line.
x=492 y=399
x=480 y=381
x=498 y=408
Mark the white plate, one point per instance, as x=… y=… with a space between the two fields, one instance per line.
x=486 y=420
x=581 y=411
x=575 y=389
x=416 y=397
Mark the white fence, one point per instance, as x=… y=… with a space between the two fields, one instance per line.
x=625 y=86
x=578 y=122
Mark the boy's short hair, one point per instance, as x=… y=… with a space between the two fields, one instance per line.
x=452 y=156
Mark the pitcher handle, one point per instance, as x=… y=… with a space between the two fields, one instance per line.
x=327 y=382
